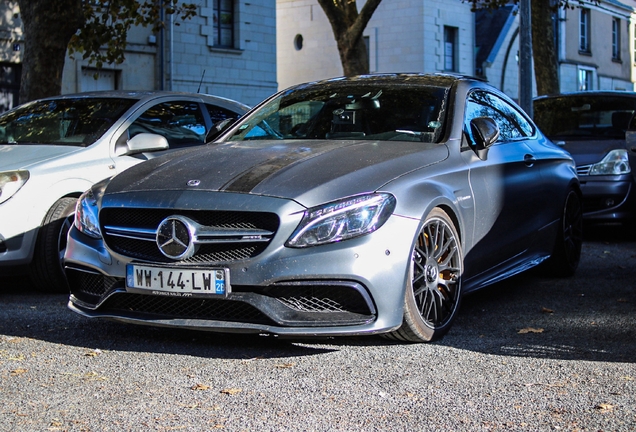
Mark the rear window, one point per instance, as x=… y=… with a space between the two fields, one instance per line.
x=594 y=117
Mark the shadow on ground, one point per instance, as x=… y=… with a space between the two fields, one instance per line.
x=591 y=316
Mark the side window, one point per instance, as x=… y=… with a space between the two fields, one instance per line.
x=218 y=114
x=181 y=123
x=512 y=124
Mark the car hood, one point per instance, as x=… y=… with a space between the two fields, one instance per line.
x=17 y=156
x=587 y=152
x=310 y=172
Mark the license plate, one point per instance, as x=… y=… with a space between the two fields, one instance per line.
x=178 y=282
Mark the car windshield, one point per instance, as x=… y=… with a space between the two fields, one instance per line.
x=352 y=111
x=74 y=122
x=584 y=117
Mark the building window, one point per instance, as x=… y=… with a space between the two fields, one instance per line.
x=450 y=49
x=586 y=79
x=634 y=60
x=584 y=31
x=616 y=39
x=367 y=46
x=298 y=42
x=224 y=23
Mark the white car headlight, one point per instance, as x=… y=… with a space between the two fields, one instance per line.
x=86 y=215
x=615 y=162
x=11 y=182
x=342 y=220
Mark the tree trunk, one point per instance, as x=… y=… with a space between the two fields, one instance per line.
x=48 y=27
x=353 y=58
x=544 y=52
x=348 y=25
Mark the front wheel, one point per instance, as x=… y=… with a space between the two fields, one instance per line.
x=46 y=272
x=433 y=291
x=567 y=248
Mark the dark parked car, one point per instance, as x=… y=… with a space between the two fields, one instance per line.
x=52 y=150
x=349 y=206
x=592 y=127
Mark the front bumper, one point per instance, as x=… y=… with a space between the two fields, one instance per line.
x=350 y=288
x=18 y=232
x=608 y=199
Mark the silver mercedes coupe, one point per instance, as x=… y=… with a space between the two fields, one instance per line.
x=351 y=206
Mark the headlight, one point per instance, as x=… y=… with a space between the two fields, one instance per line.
x=11 y=182
x=342 y=220
x=616 y=162
x=86 y=212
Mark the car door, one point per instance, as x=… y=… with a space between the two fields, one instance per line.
x=504 y=186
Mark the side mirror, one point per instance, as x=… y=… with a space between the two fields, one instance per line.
x=141 y=143
x=485 y=132
x=218 y=128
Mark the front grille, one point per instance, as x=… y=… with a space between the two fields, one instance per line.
x=312 y=304
x=206 y=254
x=583 y=170
x=184 y=308
x=323 y=297
x=149 y=219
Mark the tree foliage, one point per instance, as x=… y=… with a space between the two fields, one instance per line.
x=103 y=37
x=348 y=24
x=96 y=30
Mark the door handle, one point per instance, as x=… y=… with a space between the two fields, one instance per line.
x=529 y=160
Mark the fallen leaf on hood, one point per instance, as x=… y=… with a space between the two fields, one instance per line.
x=530 y=330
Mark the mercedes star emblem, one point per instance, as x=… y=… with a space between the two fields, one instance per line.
x=174 y=237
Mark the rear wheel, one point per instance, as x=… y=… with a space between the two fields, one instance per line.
x=433 y=291
x=46 y=272
x=567 y=247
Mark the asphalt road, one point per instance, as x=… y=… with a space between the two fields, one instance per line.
x=531 y=354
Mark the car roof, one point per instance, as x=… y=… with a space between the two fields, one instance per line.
x=141 y=95
x=437 y=79
x=589 y=93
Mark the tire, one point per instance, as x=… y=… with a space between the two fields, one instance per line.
x=433 y=291
x=46 y=272
x=567 y=247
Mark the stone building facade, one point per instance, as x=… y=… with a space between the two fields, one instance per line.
x=402 y=36
x=595 y=44
x=227 y=49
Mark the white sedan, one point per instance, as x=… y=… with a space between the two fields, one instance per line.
x=52 y=150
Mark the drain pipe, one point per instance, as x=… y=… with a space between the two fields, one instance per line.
x=171 y=50
x=162 y=57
